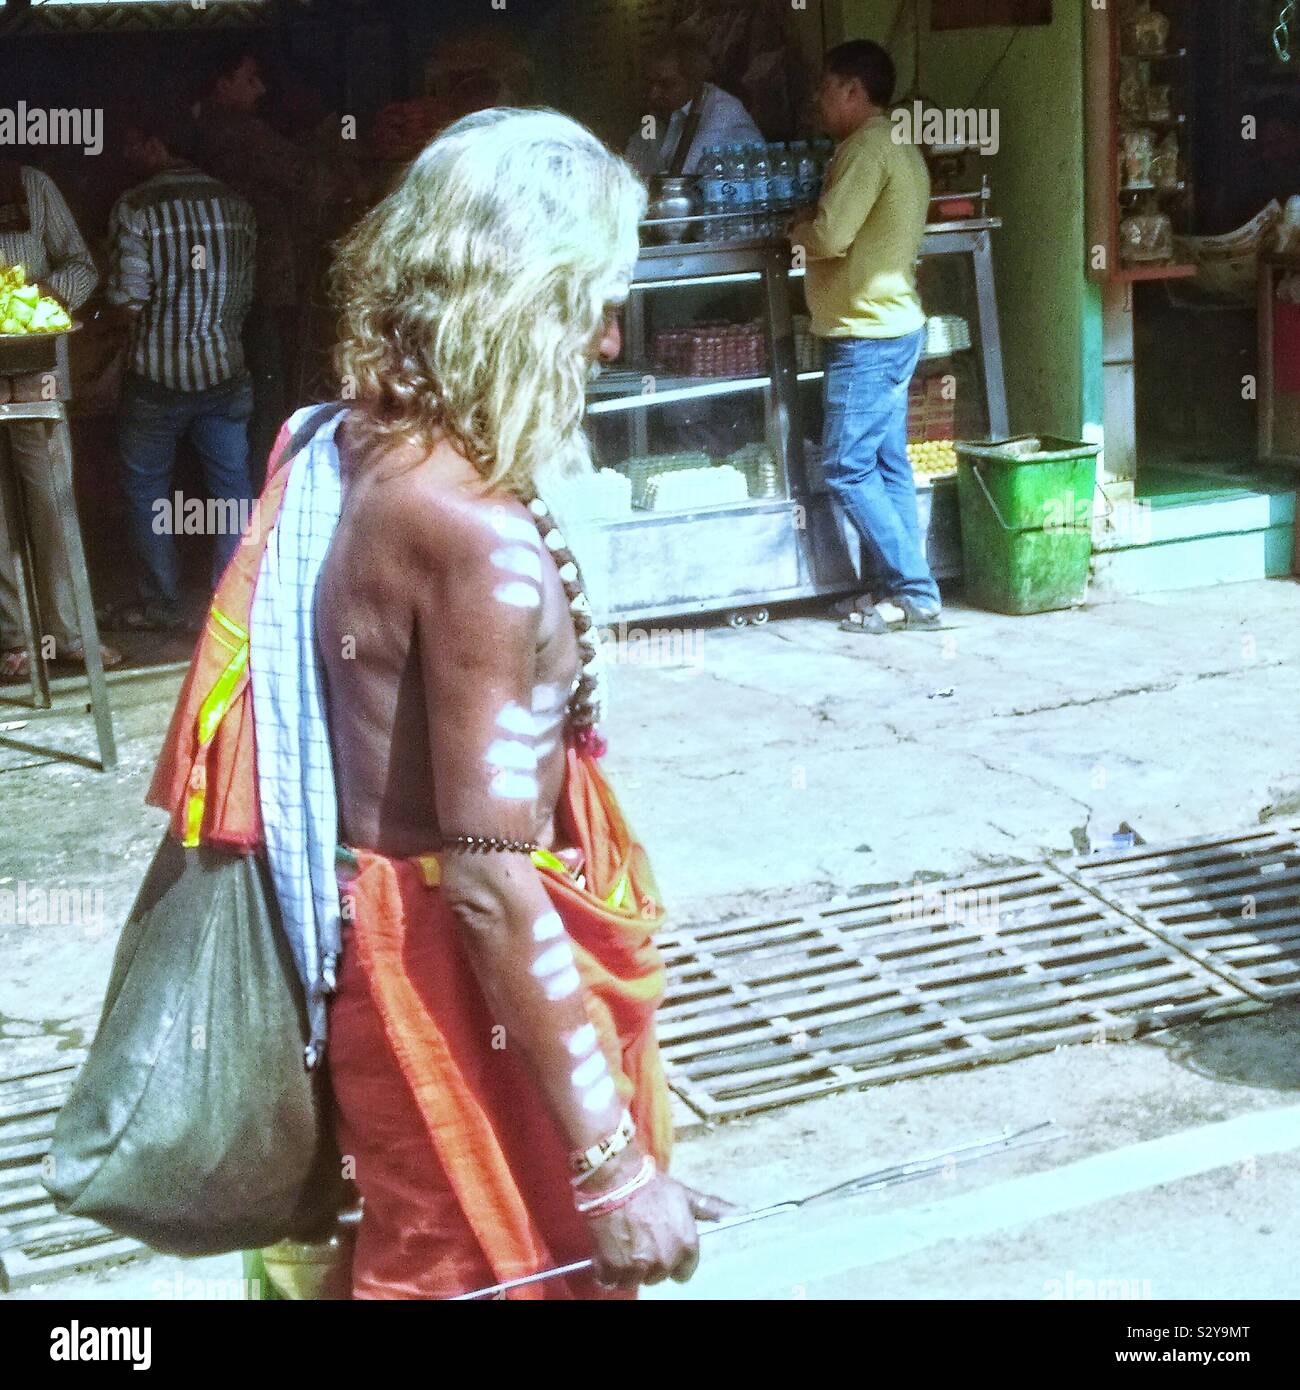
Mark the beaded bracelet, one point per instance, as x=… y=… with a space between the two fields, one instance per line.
x=619 y=1196
x=584 y=1162
x=484 y=844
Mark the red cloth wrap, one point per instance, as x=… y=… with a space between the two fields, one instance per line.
x=232 y=816
x=464 y=1176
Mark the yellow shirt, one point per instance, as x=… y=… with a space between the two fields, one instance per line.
x=863 y=243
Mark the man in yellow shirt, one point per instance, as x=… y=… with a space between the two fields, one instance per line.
x=861 y=249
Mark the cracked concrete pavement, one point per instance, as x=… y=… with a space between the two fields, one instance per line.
x=795 y=758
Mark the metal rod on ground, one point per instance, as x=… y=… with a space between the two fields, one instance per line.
x=866 y=1182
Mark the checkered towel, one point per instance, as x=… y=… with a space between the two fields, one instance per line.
x=295 y=772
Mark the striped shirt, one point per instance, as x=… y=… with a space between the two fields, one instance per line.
x=52 y=252
x=183 y=251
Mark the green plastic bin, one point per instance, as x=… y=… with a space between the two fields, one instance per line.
x=1026 y=521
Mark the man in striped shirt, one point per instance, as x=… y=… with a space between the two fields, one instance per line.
x=37 y=232
x=182 y=269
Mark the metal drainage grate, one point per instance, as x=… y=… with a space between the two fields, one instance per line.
x=1231 y=902
x=36 y=1243
x=981 y=969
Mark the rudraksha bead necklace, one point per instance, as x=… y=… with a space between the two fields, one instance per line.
x=586 y=703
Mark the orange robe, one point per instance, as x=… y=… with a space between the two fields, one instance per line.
x=464 y=1176
x=206 y=776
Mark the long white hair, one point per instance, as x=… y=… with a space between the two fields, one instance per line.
x=471 y=295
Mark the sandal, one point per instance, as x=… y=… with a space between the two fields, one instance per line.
x=74 y=653
x=866 y=623
x=918 y=619
x=847 y=607
x=15 y=664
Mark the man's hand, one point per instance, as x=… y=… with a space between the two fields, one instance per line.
x=653 y=1237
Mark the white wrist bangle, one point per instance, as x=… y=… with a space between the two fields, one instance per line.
x=612 y=1200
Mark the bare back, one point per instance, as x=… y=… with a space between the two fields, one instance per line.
x=438 y=608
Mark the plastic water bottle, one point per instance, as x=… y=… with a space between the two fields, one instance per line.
x=739 y=194
x=730 y=200
x=798 y=153
x=713 y=193
x=805 y=174
x=781 y=182
x=759 y=187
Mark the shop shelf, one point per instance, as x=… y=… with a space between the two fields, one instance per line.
x=925 y=357
x=669 y=389
x=1131 y=273
x=1169 y=57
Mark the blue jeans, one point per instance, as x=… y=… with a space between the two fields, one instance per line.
x=864 y=456
x=152 y=421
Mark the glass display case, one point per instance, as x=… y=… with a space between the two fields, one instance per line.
x=708 y=495
x=692 y=431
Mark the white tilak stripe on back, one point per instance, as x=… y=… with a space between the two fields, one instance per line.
x=547 y=927
x=600 y=1095
x=548 y=698
x=514 y=786
x=515 y=719
x=560 y=986
x=582 y=1041
x=553 y=959
x=518 y=593
x=519 y=559
x=589 y=1072
x=510 y=753
x=512 y=528
x=546 y=723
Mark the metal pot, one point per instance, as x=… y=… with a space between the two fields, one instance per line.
x=670 y=198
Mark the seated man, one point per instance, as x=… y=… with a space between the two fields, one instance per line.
x=675 y=83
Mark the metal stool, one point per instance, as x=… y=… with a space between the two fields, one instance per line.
x=59 y=442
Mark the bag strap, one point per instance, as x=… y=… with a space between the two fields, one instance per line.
x=306 y=432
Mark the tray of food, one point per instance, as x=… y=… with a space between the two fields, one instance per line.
x=30 y=324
